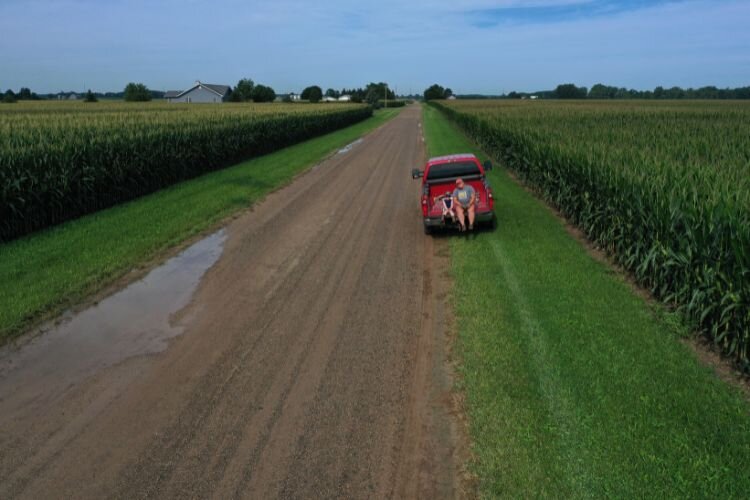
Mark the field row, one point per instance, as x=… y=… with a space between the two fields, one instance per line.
x=58 y=162
x=664 y=188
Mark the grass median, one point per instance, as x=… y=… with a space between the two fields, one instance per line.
x=47 y=271
x=576 y=386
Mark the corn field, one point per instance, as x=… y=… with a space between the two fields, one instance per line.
x=62 y=160
x=663 y=187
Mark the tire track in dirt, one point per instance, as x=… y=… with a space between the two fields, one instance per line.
x=313 y=361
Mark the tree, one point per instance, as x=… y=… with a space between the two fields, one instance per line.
x=600 y=91
x=90 y=97
x=674 y=93
x=332 y=93
x=244 y=90
x=357 y=95
x=24 y=94
x=570 y=91
x=378 y=91
x=262 y=93
x=136 y=92
x=434 y=92
x=312 y=93
x=9 y=97
x=373 y=96
x=447 y=93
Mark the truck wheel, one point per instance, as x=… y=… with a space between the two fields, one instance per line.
x=493 y=224
x=427 y=229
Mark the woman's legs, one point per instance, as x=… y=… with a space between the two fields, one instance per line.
x=460 y=215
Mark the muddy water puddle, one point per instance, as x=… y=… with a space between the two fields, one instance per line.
x=134 y=321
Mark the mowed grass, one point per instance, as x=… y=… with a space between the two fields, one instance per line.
x=576 y=387
x=47 y=271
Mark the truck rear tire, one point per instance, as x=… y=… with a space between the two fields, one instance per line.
x=427 y=230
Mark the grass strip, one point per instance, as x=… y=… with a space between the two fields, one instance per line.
x=577 y=387
x=47 y=271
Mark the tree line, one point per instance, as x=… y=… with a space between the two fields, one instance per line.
x=246 y=90
x=371 y=93
x=133 y=92
x=601 y=91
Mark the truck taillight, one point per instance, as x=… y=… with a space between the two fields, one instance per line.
x=491 y=199
x=424 y=205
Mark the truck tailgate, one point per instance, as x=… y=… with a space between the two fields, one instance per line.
x=435 y=209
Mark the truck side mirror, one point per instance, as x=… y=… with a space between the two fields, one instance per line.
x=488 y=165
x=416 y=173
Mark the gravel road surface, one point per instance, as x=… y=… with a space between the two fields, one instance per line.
x=310 y=361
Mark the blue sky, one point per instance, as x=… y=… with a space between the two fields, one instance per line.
x=472 y=46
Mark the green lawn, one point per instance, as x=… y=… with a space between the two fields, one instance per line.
x=576 y=387
x=47 y=271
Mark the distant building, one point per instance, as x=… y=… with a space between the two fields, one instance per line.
x=200 y=93
x=534 y=97
x=329 y=99
x=451 y=98
x=345 y=98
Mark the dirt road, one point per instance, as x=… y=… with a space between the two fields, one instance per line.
x=309 y=362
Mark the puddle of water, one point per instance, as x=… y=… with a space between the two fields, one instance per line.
x=131 y=322
x=349 y=146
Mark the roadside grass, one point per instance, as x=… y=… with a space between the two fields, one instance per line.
x=576 y=387
x=45 y=272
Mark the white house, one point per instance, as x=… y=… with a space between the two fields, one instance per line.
x=200 y=92
x=345 y=98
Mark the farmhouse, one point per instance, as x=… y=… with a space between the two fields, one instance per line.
x=200 y=92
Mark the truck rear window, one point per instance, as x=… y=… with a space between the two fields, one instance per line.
x=457 y=169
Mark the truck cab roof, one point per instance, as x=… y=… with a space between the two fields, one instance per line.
x=451 y=158
x=443 y=169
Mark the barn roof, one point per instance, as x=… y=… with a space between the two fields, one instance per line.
x=219 y=90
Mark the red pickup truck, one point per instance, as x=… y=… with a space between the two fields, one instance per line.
x=439 y=178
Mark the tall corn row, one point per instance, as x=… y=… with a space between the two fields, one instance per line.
x=57 y=164
x=664 y=189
